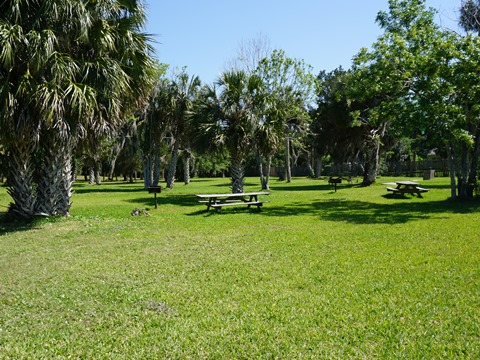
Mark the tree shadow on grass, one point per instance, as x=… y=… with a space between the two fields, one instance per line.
x=359 y=212
x=323 y=186
x=8 y=225
x=148 y=200
x=105 y=188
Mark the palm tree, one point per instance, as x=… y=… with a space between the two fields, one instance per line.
x=268 y=139
x=67 y=68
x=228 y=116
x=153 y=129
x=183 y=91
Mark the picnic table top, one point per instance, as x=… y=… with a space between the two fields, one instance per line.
x=407 y=182
x=233 y=194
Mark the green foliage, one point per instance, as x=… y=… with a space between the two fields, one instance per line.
x=211 y=165
x=289 y=84
x=68 y=70
x=335 y=124
x=228 y=117
x=316 y=274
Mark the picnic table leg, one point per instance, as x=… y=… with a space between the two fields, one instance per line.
x=258 y=205
x=252 y=198
x=212 y=200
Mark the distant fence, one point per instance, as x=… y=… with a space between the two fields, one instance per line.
x=390 y=168
x=416 y=168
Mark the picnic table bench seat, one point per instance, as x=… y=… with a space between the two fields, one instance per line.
x=422 y=189
x=392 y=189
x=248 y=203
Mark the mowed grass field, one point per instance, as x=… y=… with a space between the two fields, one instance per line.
x=316 y=274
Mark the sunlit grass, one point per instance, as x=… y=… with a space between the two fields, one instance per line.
x=315 y=274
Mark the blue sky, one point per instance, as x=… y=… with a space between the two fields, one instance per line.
x=204 y=35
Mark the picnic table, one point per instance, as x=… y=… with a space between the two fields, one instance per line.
x=217 y=201
x=407 y=187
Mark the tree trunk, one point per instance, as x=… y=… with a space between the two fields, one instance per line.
x=238 y=174
x=50 y=177
x=172 y=168
x=147 y=171
x=463 y=176
x=156 y=167
x=317 y=168
x=187 y=154
x=317 y=164
x=194 y=168
x=372 y=154
x=311 y=172
x=472 y=176
x=91 y=178
x=116 y=150
x=20 y=180
x=288 y=168
x=451 y=169
x=98 y=172
x=268 y=166
x=68 y=179
x=56 y=178
x=372 y=162
x=260 y=169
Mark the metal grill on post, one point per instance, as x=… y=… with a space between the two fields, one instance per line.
x=154 y=190
x=335 y=181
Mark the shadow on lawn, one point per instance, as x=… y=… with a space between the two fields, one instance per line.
x=116 y=187
x=8 y=225
x=148 y=200
x=359 y=212
x=321 y=185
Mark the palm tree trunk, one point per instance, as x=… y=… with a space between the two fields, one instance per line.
x=20 y=180
x=49 y=180
x=98 y=172
x=238 y=174
x=260 y=169
x=187 y=156
x=56 y=178
x=116 y=150
x=186 y=167
x=147 y=171
x=67 y=181
x=268 y=166
x=91 y=178
x=172 y=168
x=156 y=166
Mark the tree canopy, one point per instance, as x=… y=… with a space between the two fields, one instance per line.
x=68 y=69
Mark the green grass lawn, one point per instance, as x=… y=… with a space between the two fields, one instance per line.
x=315 y=274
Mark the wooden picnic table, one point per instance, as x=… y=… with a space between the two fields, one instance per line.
x=217 y=201
x=407 y=187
